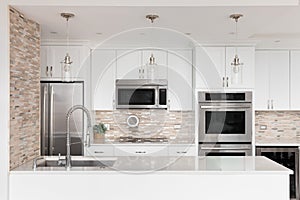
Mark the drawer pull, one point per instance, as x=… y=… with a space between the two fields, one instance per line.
x=140 y=152
x=181 y=152
x=98 y=152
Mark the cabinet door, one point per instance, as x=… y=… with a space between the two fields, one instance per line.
x=279 y=79
x=129 y=64
x=161 y=61
x=103 y=79
x=246 y=76
x=180 y=79
x=295 y=80
x=262 y=93
x=44 y=62
x=209 y=67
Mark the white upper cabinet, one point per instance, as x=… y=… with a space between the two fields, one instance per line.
x=295 y=80
x=180 y=85
x=246 y=75
x=129 y=64
x=47 y=62
x=213 y=67
x=103 y=79
x=272 y=80
x=261 y=80
x=53 y=56
x=209 y=67
x=161 y=61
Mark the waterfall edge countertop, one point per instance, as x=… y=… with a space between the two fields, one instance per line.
x=167 y=165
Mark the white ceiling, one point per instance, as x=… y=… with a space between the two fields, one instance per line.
x=263 y=25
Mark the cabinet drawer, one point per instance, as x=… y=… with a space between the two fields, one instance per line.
x=182 y=150
x=99 y=150
x=141 y=150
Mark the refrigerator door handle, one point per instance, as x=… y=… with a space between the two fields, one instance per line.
x=45 y=94
x=51 y=145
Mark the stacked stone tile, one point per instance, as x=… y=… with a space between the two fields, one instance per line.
x=24 y=89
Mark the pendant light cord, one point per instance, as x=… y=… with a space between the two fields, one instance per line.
x=236 y=34
x=68 y=45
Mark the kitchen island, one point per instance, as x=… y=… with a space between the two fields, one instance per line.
x=143 y=178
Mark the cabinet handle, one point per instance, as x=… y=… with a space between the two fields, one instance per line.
x=51 y=70
x=47 y=71
x=181 y=152
x=272 y=106
x=268 y=104
x=223 y=81
x=141 y=152
x=227 y=81
x=98 y=152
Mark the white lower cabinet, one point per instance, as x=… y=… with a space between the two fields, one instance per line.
x=182 y=150
x=99 y=150
x=141 y=150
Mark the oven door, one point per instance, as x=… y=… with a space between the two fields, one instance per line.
x=225 y=150
x=225 y=122
x=136 y=97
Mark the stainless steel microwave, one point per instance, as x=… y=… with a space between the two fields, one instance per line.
x=141 y=93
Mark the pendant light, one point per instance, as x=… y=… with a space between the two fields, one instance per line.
x=67 y=63
x=236 y=77
x=151 y=67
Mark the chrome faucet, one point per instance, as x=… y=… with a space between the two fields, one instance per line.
x=89 y=126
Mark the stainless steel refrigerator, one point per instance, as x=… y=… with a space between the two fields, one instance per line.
x=56 y=99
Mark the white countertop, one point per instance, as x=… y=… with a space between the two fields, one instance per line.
x=167 y=165
x=279 y=141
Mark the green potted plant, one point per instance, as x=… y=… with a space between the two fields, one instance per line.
x=99 y=131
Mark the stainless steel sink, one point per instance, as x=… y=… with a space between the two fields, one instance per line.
x=76 y=163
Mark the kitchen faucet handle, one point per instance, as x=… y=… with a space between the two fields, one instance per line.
x=88 y=139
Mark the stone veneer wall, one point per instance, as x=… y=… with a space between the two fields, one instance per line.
x=279 y=123
x=24 y=89
x=178 y=126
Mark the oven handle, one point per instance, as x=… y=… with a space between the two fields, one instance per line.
x=224 y=148
x=225 y=107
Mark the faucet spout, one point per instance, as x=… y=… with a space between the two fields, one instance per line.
x=89 y=125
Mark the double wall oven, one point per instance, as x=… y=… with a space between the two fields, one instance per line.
x=225 y=123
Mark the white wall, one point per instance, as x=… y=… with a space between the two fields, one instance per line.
x=4 y=100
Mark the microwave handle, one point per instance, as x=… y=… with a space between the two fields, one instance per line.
x=224 y=148
x=225 y=107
